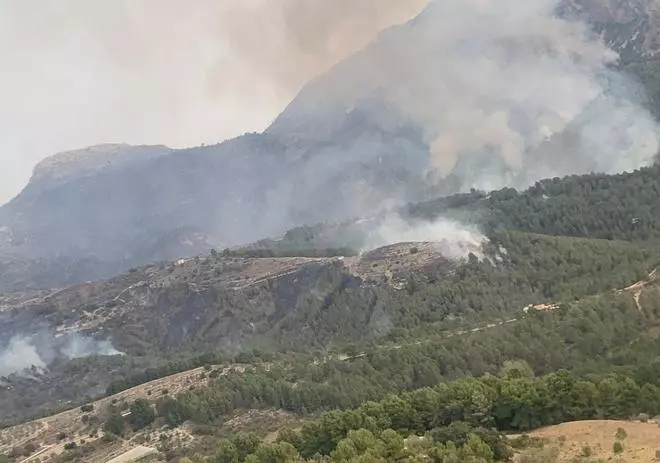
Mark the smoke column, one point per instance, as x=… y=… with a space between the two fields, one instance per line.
x=503 y=83
x=505 y=91
x=454 y=240
x=23 y=352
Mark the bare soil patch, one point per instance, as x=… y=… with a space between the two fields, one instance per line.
x=594 y=440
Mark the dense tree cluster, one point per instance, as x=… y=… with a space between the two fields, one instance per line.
x=523 y=269
x=623 y=206
x=456 y=421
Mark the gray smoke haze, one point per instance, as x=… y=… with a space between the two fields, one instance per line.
x=454 y=240
x=506 y=93
x=78 y=72
x=507 y=79
x=18 y=355
x=24 y=352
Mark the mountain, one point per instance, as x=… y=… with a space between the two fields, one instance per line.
x=629 y=27
x=402 y=248
x=366 y=135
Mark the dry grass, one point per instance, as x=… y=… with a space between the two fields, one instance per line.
x=44 y=432
x=572 y=442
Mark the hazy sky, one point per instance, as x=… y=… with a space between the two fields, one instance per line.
x=75 y=73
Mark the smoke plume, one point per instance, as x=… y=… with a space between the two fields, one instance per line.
x=453 y=239
x=502 y=85
x=506 y=93
x=24 y=352
x=79 y=72
x=19 y=355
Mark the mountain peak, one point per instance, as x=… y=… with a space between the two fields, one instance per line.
x=85 y=162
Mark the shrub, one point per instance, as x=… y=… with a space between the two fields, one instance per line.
x=142 y=414
x=114 y=424
x=621 y=434
x=109 y=438
x=617 y=448
x=526 y=441
x=29 y=449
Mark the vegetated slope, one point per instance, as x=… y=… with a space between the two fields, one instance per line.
x=301 y=301
x=232 y=303
x=91 y=215
x=53 y=432
x=612 y=207
x=621 y=206
x=588 y=335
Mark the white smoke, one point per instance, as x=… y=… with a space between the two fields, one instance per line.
x=506 y=93
x=507 y=79
x=19 y=355
x=25 y=352
x=453 y=239
x=79 y=346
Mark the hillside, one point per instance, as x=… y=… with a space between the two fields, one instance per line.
x=361 y=138
x=444 y=249
x=236 y=304
x=611 y=207
x=310 y=290
x=213 y=397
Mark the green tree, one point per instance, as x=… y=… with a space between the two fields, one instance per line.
x=226 y=452
x=114 y=423
x=476 y=450
x=142 y=414
x=245 y=444
x=393 y=445
x=513 y=369
x=174 y=412
x=278 y=452
x=345 y=451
